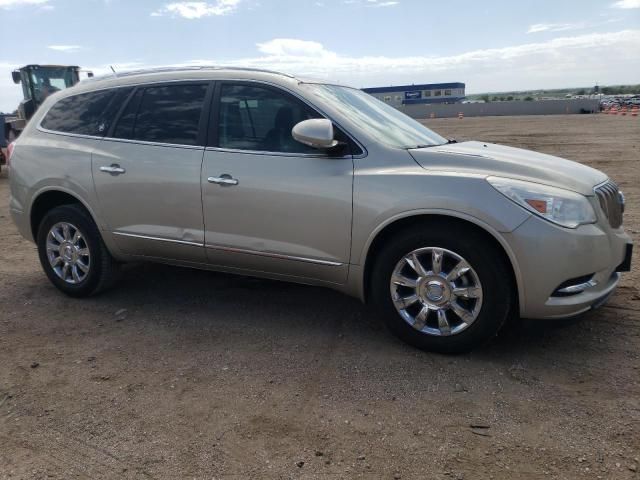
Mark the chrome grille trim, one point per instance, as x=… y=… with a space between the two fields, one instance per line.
x=611 y=202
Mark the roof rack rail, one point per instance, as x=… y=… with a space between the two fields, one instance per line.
x=169 y=69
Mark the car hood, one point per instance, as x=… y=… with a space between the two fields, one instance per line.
x=500 y=161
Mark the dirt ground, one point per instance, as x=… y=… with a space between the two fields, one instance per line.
x=188 y=374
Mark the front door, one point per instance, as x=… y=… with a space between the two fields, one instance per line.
x=147 y=173
x=270 y=203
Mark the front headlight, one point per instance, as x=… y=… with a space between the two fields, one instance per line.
x=562 y=207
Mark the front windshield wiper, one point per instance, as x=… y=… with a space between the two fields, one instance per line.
x=426 y=146
x=434 y=144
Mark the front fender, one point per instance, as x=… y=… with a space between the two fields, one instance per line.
x=379 y=200
x=416 y=192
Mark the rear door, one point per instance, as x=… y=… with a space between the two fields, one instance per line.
x=147 y=171
x=270 y=203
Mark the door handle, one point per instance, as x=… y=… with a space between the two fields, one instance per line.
x=113 y=169
x=225 y=179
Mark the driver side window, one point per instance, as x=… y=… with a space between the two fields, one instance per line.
x=260 y=119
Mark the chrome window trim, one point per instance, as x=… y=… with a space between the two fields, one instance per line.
x=275 y=154
x=159 y=239
x=273 y=255
x=246 y=80
x=152 y=144
x=66 y=134
x=121 y=140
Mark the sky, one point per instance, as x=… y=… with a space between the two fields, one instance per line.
x=489 y=45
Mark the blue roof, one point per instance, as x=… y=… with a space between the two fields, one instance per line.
x=408 y=88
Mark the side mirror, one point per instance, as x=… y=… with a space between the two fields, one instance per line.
x=15 y=75
x=316 y=133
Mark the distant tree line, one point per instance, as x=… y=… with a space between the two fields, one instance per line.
x=620 y=89
x=486 y=98
x=528 y=96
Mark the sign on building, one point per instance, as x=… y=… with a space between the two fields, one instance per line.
x=413 y=95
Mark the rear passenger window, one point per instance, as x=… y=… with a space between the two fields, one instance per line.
x=81 y=114
x=163 y=114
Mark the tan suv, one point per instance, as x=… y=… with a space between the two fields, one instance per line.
x=263 y=174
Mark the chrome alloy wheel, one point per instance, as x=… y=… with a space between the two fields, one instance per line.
x=436 y=291
x=68 y=253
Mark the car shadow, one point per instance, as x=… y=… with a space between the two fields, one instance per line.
x=201 y=299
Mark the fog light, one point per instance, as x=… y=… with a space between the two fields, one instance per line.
x=574 y=286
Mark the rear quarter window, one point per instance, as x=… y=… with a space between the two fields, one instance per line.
x=80 y=114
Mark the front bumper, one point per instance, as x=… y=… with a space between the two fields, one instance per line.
x=549 y=255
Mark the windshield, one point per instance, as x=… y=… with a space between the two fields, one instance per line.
x=377 y=118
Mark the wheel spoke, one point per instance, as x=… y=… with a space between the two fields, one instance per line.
x=467 y=292
x=399 y=279
x=74 y=273
x=52 y=247
x=65 y=271
x=436 y=260
x=56 y=235
x=421 y=319
x=460 y=269
x=55 y=261
x=414 y=263
x=406 y=301
x=82 y=266
x=76 y=237
x=66 y=231
x=83 y=252
x=464 y=315
x=443 y=322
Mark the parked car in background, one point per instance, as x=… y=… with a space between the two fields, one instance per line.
x=264 y=174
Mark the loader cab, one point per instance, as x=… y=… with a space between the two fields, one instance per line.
x=40 y=81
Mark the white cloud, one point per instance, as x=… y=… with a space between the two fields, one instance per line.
x=193 y=10
x=626 y=4
x=65 y=48
x=373 y=3
x=377 y=3
x=283 y=47
x=554 y=27
x=561 y=62
x=6 y=4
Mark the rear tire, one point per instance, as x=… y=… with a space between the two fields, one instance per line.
x=462 y=313
x=72 y=253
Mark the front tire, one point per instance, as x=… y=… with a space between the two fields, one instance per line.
x=442 y=287
x=72 y=253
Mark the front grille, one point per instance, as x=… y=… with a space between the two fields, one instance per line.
x=611 y=202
